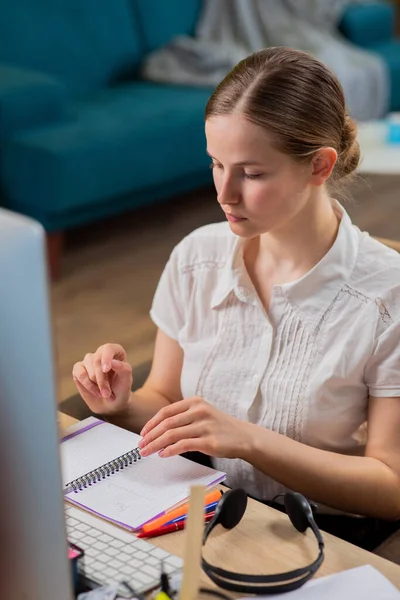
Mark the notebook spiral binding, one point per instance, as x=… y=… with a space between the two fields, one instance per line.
x=115 y=465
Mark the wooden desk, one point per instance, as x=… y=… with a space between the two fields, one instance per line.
x=266 y=542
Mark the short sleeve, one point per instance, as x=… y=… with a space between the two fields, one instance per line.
x=382 y=373
x=168 y=308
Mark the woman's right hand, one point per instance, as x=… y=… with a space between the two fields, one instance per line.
x=104 y=379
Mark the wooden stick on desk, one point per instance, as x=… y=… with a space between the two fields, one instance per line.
x=193 y=541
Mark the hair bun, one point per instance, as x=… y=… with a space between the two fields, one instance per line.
x=349 y=151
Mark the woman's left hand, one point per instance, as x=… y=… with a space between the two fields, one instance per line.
x=193 y=424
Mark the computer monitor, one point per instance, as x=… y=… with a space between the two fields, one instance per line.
x=34 y=563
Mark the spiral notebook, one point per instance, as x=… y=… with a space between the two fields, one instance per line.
x=104 y=473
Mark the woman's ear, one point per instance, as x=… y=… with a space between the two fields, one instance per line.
x=322 y=165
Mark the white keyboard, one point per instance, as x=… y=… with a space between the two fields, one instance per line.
x=113 y=555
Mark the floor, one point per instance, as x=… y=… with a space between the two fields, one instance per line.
x=110 y=269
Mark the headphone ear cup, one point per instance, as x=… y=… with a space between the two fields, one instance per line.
x=298 y=510
x=229 y=511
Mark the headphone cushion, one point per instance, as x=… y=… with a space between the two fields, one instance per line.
x=298 y=510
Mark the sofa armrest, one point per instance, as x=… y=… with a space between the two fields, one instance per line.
x=28 y=99
x=368 y=24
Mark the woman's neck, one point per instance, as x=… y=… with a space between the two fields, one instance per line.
x=289 y=253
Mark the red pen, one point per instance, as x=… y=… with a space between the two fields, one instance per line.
x=171 y=528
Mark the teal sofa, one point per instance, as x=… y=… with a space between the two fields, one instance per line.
x=373 y=27
x=82 y=137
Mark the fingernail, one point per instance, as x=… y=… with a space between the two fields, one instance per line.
x=143 y=452
x=161 y=453
x=141 y=444
x=105 y=393
x=106 y=367
x=143 y=432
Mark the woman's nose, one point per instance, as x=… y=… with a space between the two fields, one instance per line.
x=228 y=193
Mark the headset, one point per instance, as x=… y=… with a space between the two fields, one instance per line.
x=229 y=511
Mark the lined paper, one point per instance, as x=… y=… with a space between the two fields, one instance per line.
x=93 y=448
x=136 y=493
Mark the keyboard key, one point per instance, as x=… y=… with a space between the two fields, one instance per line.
x=100 y=546
x=126 y=570
x=152 y=571
x=89 y=540
x=72 y=522
x=175 y=561
x=116 y=544
x=144 y=578
x=124 y=558
x=159 y=553
x=169 y=568
x=100 y=576
x=95 y=532
x=142 y=545
x=114 y=563
x=103 y=558
x=105 y=538
x=111 y=551
x=136 y=564
x=110 y=572
x=82 y=527
x=138 y=585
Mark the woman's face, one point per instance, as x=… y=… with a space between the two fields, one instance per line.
x=259 y=188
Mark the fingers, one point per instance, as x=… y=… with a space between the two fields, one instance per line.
x=121 y=367
x=171 y=437
x=166 y=412
x=103 y=358
x=192 y=445
x=99 y=366
x=81 y=376
x=166 y=425
x=108 y=352
x=84 y=393
x=102 y=378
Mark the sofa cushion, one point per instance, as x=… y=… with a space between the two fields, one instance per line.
x=368 y=23
x=390 y=52
x=162 y=20
x=137 y=136
x=84 y=43
x=29 y=99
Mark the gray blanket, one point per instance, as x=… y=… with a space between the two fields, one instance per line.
x=229 y=30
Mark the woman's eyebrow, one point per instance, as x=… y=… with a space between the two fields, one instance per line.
x=242 y=163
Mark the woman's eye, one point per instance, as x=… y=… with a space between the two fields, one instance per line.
x=215 y=166
x=252 y=175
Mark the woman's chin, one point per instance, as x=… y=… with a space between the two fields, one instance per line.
x=243 y=229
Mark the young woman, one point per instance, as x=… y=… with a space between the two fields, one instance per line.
x=277 y=350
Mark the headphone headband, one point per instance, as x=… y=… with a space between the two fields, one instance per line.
x=228 y=513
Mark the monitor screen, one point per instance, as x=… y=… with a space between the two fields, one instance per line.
x=34 y=564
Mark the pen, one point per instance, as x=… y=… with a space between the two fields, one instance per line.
x=209 y=508
x=212 y=496
x=171 y=528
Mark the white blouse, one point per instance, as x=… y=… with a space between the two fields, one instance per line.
x=306 y=369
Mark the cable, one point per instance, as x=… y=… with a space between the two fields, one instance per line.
x=216 y=593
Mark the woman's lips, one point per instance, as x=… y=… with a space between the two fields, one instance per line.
x=234 y=218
